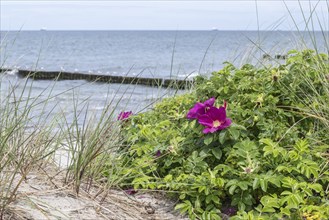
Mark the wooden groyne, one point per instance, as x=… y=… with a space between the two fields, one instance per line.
x=55 y=75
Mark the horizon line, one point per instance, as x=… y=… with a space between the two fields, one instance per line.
x=211 y=30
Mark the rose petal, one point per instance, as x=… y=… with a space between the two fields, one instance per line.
x=226 y=124
x=197 y=110
x=209 y=130
x=124 y=115
x=205 y=120
x=209 y=102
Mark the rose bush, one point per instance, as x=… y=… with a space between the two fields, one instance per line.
x=268 y=160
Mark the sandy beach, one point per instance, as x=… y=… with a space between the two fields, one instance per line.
x=42 y=195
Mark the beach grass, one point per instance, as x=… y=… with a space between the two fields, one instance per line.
x=24 y=145
x=34 y=138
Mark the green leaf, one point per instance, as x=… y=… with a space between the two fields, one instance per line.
x=220 y=182
x=247 y=199
x=268 y=209
x=284 y=168
x=301 y=146
x=180 y=206
x=263 y=184
x=184 y=207
x=268 y=142
x=231 y=182
x=285 y=211
x=182 y=196
x=293 y=155
x=215 y=199
x=270 y=201
x=308 y=191
x=243 y=185
x=284 y=193
x=214 y=216
x=192 y=124
x=234 y=133
x=222 y=136
x=217 y=153
x=241 y=206
x=275 y=180
x=208 y=199
x=316 y=187
x=208 y=140
x=232 y=189
x=224 y=168
x=168 y=178
x=308 y=167
x=197 y=203
x=255 y=184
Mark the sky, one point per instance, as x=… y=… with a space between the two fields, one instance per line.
x=163 y=15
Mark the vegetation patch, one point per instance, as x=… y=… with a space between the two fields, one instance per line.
x=248 y=143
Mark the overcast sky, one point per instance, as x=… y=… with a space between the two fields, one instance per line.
x=161 y=15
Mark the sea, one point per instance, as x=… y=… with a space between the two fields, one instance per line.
x=158 y=54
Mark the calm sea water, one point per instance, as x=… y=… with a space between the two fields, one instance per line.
x=154 y=53
x=138 y=53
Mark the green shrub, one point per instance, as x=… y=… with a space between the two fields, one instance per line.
x=266 y=165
